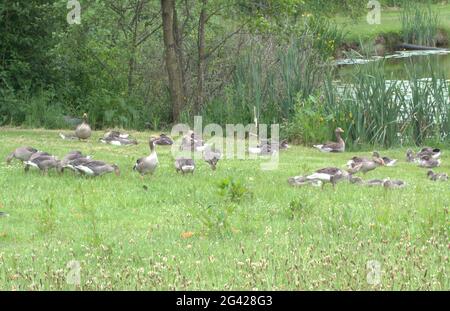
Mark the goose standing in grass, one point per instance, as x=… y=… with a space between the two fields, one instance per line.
x=184 y=165
x=338 y=146
x=83 y=131
x=33 y=157
x=69 y=158
x=429 y=162
x=44 y=163
x=391 y=184
x=22 y=153
x=149 y=163
x=212 y=156
x=437 y=176
x=97 y=168
x=410 y=156
x=365 y=165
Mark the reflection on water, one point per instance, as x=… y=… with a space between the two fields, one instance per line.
x=395 y=65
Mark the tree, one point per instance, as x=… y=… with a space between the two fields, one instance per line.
x=172 y=61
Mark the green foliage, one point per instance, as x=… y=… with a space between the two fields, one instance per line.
x=299 y=207
x=47 y=218
x=217 y=218
x=233 y=190
x=419 y=24
x=310 y=121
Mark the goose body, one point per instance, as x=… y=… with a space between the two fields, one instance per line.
x=433 y=153
x=374 y=182
x=364 y=165
x=329 y=174
x=44 y=163
x=118 y=141
x=389 y=184
x=164 y=140
x=298 y=181
x=70 y=158
x=192 y=142
x=437 y=176
x=83 y=131
x=338 y=146
x=22 y=153
x=429 y=162
x=149 y=163
x=97 y=168
x=212 y=156
x=185 y=165
x=389 y=162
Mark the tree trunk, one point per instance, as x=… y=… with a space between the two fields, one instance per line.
x=172 y=65
x=201 y=57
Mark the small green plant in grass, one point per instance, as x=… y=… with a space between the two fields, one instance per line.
x=216 y=218
x=298 y=207
x=233 y=190
x=47 y=217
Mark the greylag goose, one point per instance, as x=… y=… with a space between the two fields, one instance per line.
x=388 y=161
x=184 y=165
x=69 y=158
x=437 y=176
x=389 y=184
x=365 y=165
x=338 y=146
x=298 y=181
x=268 y=147
x=329 y=174
x=44 y=163
x=149 y=163
x=75 y=162
x=116 y=134
x=83 y=131
x=410 y=156
x=97 y=168
x=212 y=156
x=164 y=140
x=429 y=162
x=434 y=153
x=118 y=141
x=192 y=142
x=22 y=153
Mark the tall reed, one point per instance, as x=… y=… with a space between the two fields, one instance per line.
x=419 y=24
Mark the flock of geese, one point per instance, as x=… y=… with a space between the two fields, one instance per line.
x=85 y=165
x=426 y=158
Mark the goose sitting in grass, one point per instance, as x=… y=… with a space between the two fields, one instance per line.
x=437 y=176
x=329 y=174
x=184 y=165
x=22 y=153
x=192 y=142
x=392 y=184
x=148 y=164
x=44 y=163
x=268 y=147
x=164 y=140
x=374 y=182
x=338 y=146
x=118 y=141
x=298 y=181
x=365 y=165
x=97 y=168
x=388 y=161
x=116 y=134
x=433 y=153
x=429 y=162
x=212 y=156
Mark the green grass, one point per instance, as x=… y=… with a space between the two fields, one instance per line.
x=391 y=22
x=280 y=237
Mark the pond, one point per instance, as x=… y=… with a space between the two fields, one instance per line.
x=395 y=65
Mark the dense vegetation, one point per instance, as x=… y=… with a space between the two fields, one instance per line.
x=147 y=64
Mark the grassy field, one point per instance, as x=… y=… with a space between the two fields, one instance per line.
x=183 y=234
x=358 y=29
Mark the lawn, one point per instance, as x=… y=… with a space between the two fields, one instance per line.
x=182 y=234
x=359 y=29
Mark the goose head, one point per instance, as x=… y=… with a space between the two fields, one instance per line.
x=116 y=169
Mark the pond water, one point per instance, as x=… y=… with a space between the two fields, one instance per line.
x=395 y=64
